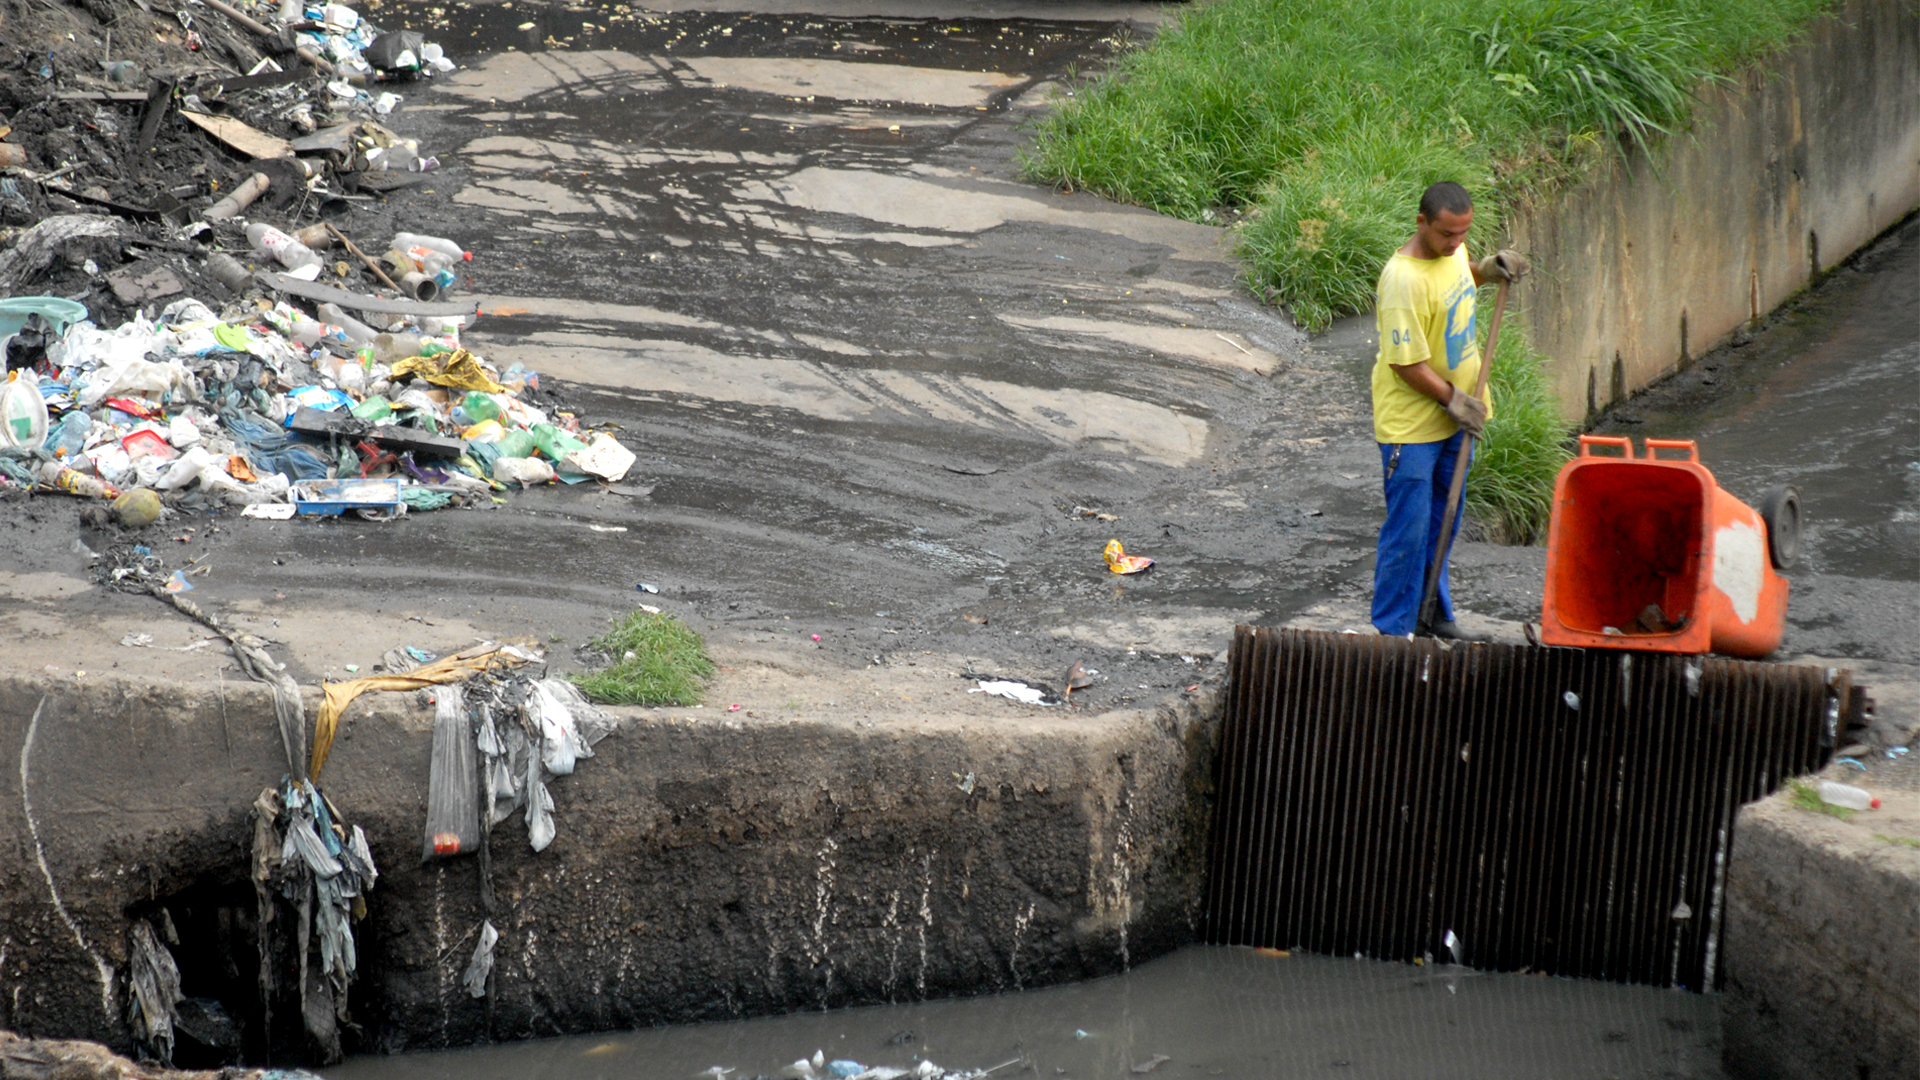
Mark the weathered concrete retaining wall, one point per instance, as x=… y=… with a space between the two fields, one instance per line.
x=704 y=869
x=1783 y=176
x=1822 y=946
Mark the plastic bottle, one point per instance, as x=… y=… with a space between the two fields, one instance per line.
x=393 y=348
x=554 y=443
x=269 y=242
x=1848 y=796
x=480 y=406
x=357 y=332
x=60 y=477
x=68 y=436
x=23 y=412
x=406 y=240
x=374 y=408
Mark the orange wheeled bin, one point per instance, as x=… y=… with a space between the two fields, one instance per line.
x=1650 y=553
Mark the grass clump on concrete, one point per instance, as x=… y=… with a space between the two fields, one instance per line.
x=1313 y=126
x=656 y=660
x=1804 y=796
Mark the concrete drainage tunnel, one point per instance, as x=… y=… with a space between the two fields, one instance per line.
x=888 y=401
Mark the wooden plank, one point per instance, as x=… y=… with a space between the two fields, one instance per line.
x=241 y=136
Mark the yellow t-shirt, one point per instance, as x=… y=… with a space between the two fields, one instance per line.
x=1424 y=311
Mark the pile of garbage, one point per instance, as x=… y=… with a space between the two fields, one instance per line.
x=270 y=408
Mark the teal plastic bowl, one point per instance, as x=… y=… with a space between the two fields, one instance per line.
x=57 y=310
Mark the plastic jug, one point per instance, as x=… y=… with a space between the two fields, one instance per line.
x=23 y=412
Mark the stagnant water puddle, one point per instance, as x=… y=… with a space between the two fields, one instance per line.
x=1203 y=1011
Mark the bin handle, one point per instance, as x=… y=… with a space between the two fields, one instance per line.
x=1619 y=442
x=1654 y=446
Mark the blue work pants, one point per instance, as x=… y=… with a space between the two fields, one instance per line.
x=1417 y=476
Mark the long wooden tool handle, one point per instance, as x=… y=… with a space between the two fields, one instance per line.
x=1449 y=525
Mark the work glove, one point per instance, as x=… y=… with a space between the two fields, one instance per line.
x=1467 y=411
x=1503 y=265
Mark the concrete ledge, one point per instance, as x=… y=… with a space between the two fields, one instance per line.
x=706 y=866
x=1823 y=942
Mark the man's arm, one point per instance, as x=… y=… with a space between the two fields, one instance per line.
x=1423 y=378
x=1467 y=411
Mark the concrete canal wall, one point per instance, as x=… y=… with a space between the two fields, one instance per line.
x=1782 y=176
x=705 y=868
x=1823 y=943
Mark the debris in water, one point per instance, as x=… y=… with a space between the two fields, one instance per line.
x=1151 y=1063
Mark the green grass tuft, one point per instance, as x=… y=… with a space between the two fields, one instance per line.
x=1903 y=841
x=657 y=660
x=1805 y=796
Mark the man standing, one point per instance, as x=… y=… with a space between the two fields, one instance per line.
x=1423 y=382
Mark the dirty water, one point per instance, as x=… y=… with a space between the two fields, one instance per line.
x=1206 y=1011
x=1825 y=399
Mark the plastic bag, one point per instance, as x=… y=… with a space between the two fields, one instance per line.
x=453 y=800
x=560 y=741
x=540 y=827
x=522 y=471
x=397 y=50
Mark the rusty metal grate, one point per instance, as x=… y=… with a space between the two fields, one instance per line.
x=1559 y=810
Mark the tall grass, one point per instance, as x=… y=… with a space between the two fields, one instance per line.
x=1510 y=490
x=1323 y=120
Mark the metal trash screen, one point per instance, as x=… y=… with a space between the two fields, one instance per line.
x=1566 y=811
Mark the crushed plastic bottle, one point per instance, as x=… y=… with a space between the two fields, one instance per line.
x=1847 y=795
x=62 y=478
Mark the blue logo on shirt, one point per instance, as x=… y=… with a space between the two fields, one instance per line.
x=1457 y=335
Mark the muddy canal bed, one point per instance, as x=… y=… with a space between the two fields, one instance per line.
x=1206 y=1011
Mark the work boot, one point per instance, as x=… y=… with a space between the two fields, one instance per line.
x=1451 y=631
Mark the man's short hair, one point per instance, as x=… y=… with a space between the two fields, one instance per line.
x=1445 y=196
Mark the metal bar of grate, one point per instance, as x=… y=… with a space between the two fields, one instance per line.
x=1558 y=810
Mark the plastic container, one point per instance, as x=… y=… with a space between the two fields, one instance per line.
x=269 y=242
x=329 y=497
x=406 y=240
x=57 y=310
x=1650 y=553
x=23 y=412
x=1847 y=795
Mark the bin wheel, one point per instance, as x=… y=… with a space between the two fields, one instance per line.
x=1781 y=512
